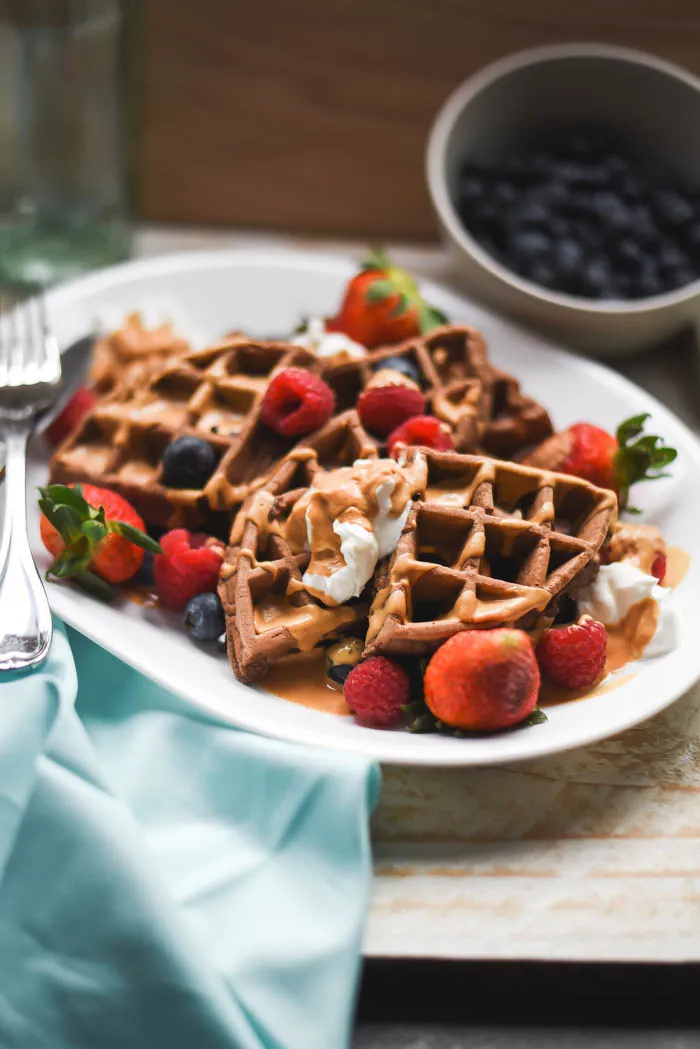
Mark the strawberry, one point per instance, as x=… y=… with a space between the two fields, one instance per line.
x=377 y=691
x=615 y=462
x=94 y=534
x=382 y=305
x=574 y=655
x=82 y=402
x=424 y=430
x=483 y=680
x=591 y=455
x=186 y=566
x=296 y=402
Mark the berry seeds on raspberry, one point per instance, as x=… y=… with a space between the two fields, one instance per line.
x=376 y=691
x=383 y=408
x=574 y=655
x=296 y=403
x=188 y=565
x=423 y=430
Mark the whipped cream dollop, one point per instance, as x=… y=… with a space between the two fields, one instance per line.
x=349 y=519
x=620 y=586
x=327 y=343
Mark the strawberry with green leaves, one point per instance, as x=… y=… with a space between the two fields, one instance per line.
x=95 y=536
x=382 y=306
x=615 y=462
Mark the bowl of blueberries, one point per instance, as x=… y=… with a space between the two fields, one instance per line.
x=566 y=180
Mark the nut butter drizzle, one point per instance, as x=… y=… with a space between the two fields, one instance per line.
x=395 y=598
x=640 y=544
x=347 y=495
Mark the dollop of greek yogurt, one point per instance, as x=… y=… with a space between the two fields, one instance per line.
x=327 y=343
x=360 y=548
x=620 y=586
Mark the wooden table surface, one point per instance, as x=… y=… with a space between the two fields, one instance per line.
x=314 y=116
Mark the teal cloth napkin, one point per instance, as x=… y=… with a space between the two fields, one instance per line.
x=167 y=881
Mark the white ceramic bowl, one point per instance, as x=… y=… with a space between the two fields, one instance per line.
x=654 y=104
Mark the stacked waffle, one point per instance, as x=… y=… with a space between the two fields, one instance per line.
x=130 y=355
x=483 y=542
x=483 y=405
x=215 y=394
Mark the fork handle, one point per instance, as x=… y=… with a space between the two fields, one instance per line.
x=25 y=616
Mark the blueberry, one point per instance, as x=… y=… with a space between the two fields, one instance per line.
x=672 y=207
x=505 y=192
x=405 y=365
x=629 y=254
x=644 y=225
x=188 y=463
x=615 y=168
x=529 y=244
x=648 y=282
x=567 y=256
x=671 y=257
x=541 y=272
x=531 y=214
x=471 y=189
x=631 y=186
x=553 y=194
x=560 y=228
x=222 y=643
x=611 y=211
x=596 y=279
x=341 y=658
x=204 y=617
x=486 y=215
x=144 y=576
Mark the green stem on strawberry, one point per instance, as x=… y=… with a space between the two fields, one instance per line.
x=82 y=528
x=424 y=721
x=396 y=281
x=640 y=457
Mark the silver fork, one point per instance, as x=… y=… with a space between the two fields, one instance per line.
x=30 y=375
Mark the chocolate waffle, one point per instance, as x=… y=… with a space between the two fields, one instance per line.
x=268 y=613
x=489 y=544
x=212 y=394
x=484 y=406
x=215 y=394
x=130 y=355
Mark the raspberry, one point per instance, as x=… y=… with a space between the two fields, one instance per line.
x=376 y=691
x=425 y=430
x=189 y=565
x=483 y=680
x=574 y=656
x=658 y=567
x=82 y=401
x=296 y=402
x=383 y=408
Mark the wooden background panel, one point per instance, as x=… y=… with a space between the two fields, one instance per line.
x=312 y=115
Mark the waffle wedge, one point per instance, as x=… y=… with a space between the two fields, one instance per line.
x=489 y=544
x=483 y=405
x=212 y=394
x=268 y=613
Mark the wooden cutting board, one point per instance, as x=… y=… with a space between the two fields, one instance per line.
x=313 y=115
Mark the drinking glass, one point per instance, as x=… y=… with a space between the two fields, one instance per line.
x=63 y=185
